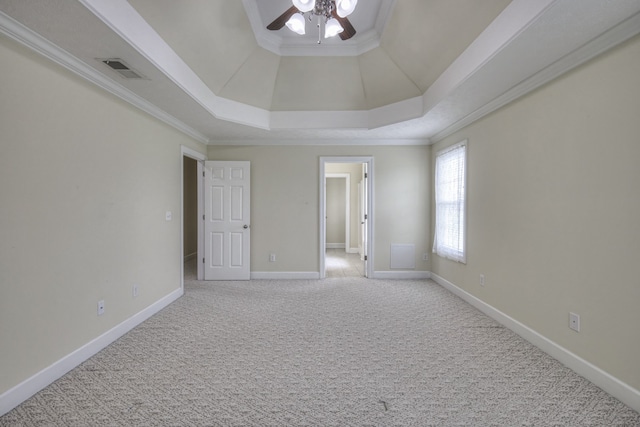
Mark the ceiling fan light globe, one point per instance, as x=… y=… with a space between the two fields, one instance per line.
x=345 y=8
x=304 y=5
x=296 y=24
x=332 y=28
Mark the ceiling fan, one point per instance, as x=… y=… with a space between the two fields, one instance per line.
x=334 y=12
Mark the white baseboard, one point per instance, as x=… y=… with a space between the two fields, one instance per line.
x=342 y=246
x=284 y=275
x=314 y=275
x=190 y=256
x=335 y=245
x=21 y=392
x=402 y=274
x=612 y=385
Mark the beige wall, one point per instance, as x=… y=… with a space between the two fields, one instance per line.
x=85 y=181
x=285 y=201
x=554 y=205
x=336 y=206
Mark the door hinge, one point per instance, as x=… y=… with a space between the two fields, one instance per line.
x=366 y=175
x=203 y=174
x=203 y=217
x=203 y=260
x=366 y=216
x=365 y=258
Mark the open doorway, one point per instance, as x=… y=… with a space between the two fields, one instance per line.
x=345 y=206
x=190 y=217
x=342 y=259
x=191 y=225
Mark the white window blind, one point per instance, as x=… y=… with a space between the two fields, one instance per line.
x=450 y=183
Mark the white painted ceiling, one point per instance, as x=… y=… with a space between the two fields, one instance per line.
x=416 y=71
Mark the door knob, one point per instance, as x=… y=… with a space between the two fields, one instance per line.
x=245 y=226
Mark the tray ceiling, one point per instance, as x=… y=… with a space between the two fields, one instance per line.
x=416 y=70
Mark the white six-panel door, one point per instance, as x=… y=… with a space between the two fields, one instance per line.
x=227 y=220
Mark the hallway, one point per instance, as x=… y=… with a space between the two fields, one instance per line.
x=338 y=263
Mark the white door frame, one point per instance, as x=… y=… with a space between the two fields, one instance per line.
x=347 y=213
x=200 y=158
x=370 y=205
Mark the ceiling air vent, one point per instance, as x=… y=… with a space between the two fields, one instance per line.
x=121 y=67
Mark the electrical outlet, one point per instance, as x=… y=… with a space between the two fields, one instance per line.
x=100 y=307
x=272 y=258
x=135 y=291
x=574 y=321
x=482 y=280
x=425 y=256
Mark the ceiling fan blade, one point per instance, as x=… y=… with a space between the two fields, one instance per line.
x=281 y=20
x=348 y=30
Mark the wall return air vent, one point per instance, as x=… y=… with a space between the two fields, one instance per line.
x=121 y=67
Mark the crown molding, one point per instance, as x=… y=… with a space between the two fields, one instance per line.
x=23 y=35
x=127 y=23
x=609 y=39
x=225 y=109
x=496 y=68
x=321 y=142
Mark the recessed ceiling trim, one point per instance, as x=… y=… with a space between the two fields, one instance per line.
x=401 y=111
x=125 y=21
x=325 y=142
x=606 y=41
x=362 y=119
x=513 y=20
x=509 y=60
x=319 y=120
x=499 y=60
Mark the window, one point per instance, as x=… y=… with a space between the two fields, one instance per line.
x=450 y=183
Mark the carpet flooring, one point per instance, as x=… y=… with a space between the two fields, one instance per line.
x=334 y=352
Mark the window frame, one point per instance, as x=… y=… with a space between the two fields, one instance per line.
x=457 y=253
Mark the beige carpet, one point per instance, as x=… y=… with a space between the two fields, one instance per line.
x=336 y=352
